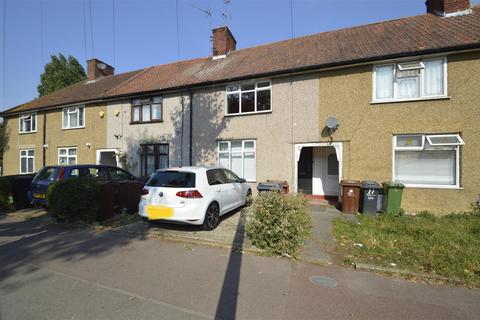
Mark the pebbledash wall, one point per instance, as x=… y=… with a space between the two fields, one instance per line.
x=367 y=129
x=87 y=140
x=173 y=130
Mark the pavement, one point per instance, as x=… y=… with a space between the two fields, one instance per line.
x=50 y=271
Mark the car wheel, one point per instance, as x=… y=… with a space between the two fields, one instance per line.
x=211 y=217
x=248 y=199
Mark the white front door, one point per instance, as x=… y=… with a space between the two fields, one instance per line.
x=325 y=172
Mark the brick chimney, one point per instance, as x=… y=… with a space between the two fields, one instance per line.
x=97 y=69
x=223 y=41
x=447 y=8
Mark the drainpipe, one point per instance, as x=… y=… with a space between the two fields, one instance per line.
x=190 y=136
x=44 y=138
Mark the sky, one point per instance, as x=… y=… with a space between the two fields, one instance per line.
x=133 y=34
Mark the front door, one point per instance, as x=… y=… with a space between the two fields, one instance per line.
x=331 y=185
x=305 y=170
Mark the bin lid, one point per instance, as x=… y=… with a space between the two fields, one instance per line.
x=393 y=184
x=351 y=183
x=371 y=185
x=269 y=185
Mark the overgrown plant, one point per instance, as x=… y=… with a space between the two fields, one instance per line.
x=125 y=162
x=73 y=200
x=279 y=224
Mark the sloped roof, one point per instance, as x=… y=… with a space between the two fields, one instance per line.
x=79 y=92
x=415 y=35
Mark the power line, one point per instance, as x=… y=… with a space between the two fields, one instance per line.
x=41 y=32
x=113 y=34
x=91 y=27
x=4 y=54
x=178 y=32
x=85 y=30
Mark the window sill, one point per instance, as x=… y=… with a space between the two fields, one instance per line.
x=411 y=100
x=247 y=113
x=146 y=122
x=83 y=127
x=426 y=186
x=30 y=132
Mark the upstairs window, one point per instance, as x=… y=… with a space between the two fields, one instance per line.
x=28 y=123
x=73 y=117
x=410 y=80
x=147 y=110
x=249 y=98
x=427 y=160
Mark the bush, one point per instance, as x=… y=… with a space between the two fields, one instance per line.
x=73 y=200
x=6 y=202
x=279 y=223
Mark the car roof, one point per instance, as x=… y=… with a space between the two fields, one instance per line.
x=190 y=168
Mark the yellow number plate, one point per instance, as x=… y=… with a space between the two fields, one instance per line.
x=156 y=212
x=39 y=195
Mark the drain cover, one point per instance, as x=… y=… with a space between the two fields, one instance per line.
x=323 y=281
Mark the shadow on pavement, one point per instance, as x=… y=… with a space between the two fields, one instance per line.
x=26 y=243
x=227 y=303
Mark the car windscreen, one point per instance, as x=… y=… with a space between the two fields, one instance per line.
x=47 y=174
x=172 y=179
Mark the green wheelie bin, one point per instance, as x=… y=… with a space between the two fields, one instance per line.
x=393 y=193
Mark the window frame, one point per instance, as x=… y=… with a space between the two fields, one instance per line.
x=455 y=147
x=240 y=91
x=229 y=152
x=26 y=157
x=66 y=126
x=144 y=102
x=422 y=65
x=32 y=115
x=67 y=155
x=156 y=157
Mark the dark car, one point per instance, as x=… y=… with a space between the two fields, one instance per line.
x=37 y=195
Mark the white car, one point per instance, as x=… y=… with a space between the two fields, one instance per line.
x=193 y=195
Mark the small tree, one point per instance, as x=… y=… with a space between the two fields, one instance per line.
x=59 y=73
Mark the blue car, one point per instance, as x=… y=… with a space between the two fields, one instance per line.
x=37 y=194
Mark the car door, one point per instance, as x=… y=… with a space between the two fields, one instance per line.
x=234 y=187
x=221 y=189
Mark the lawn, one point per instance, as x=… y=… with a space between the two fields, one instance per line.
x=448 y=246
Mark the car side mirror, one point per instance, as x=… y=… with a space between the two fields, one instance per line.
x=241 y=180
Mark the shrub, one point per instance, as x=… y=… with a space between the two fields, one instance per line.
x=73 y=200
x=279 y=223
x=5 y=193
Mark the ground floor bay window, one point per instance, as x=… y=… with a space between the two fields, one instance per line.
x=427 y=160
x=152 y=157
x=240 y=157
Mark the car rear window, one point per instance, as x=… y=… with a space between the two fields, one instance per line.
x=172 y=179
x=47 y=174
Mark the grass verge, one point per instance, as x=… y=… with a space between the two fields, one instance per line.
x=447 y=246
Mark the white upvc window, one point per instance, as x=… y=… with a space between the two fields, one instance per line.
x=249 y=98
x=413 y=80
x=27 y=161
x=67 y=156
x=73 y=117
x=427 y=161
x=240 y=157
x=28 y=123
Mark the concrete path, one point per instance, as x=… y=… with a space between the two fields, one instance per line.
x=52 y=272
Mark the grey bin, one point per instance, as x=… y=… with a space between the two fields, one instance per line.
x=369 y=198
x=270 y=186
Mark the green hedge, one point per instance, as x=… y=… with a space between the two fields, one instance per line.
x=73 y=200
x=6 y=202
x=279 y=223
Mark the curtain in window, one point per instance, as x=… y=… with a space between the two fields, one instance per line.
x=433 y=167
x=434 y=78
x=384 y=82
x=408 y=88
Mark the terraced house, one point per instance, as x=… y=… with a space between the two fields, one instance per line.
x=402 y=94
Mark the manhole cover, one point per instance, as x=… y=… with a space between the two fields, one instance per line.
x=323 y=281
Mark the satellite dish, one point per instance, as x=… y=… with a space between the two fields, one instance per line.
x=332 y=123
x=101 y=66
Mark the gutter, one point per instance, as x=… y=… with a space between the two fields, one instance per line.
x=290 y=71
